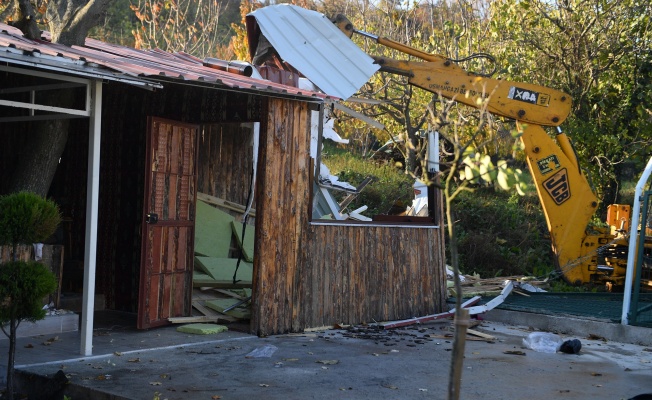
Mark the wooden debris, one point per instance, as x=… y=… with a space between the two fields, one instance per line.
x=475 y=286
x=514 y=352
x=220 y=305
x=229 y=205
x=480 y=334
x=194 y=319
x=199 y=299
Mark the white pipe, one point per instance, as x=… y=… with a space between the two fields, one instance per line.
x=92 y=195
x=633 y=237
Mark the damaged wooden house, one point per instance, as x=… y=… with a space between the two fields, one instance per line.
x=163 y=148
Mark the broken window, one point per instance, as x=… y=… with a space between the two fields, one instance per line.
x=334 y=198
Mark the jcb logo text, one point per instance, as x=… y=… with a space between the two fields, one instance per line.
x=557 y=186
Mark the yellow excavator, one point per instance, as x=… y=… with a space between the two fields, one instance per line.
x=583 y=254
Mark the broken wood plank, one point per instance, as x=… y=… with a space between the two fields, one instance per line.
x=230 y=294
x=241 y=312
x=212 y=313
x=224 y=203
x=480 y=334
x=190 y=320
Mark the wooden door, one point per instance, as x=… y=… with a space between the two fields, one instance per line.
x=168 y=222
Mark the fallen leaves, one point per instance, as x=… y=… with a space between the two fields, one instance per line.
x=327 y=362
x=50 y=341
x=389 y=386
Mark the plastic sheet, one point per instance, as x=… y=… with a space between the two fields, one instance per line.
x=262 y=352
x=543 y=342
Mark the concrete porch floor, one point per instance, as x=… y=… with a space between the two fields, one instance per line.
x=406 y=363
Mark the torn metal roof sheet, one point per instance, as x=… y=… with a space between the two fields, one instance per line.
x=313 y=45
x=151 y=68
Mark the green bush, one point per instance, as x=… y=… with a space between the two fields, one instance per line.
x=502 y=234
x=27 y=218
x=23 y=285
x=24 y=218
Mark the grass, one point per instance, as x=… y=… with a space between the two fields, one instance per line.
x=390 y=187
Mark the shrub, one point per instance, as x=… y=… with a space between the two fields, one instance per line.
x=27 y=218
x=24 y=218
x=23 y=285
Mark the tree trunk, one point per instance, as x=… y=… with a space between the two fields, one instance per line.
x=69 y=22
x=35 y=171
x=12 y=355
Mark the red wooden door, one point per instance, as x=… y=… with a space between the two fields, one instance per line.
x=169 y=221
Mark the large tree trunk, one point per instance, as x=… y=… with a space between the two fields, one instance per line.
x=35 y=171
x=69 y=22
x=47 y=140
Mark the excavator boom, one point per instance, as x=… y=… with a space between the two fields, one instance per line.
x=566 y=197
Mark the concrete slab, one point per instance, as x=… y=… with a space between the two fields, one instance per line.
x=50 y=325
x=406 y=363
x=574 y=326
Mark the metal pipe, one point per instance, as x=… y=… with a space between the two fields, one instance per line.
x=234 y=67
x=631 y=255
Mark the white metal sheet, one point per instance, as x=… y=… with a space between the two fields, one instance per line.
x=312 y=44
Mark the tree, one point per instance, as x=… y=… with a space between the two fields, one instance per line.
x=68 y=22
x=25 y=218
x=598 y=52
x=191 y=26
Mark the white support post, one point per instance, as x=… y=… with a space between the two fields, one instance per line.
x=633 y=237
x=92 y=194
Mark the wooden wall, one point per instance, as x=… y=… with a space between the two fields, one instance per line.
x=225 y=162
x=309 y=275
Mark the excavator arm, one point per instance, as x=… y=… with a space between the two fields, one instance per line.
x=566 y=197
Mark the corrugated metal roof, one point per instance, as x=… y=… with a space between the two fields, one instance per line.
x=101 y=60
x=313 y=45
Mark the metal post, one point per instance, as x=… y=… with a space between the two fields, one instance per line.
x=92 y=194
x=631 y=255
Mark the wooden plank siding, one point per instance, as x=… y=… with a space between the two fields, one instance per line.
x=309 y=275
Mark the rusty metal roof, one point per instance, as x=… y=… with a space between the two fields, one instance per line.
x=152 y=68
x=313 y=45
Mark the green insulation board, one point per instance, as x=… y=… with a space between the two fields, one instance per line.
x=213 y=231
x=222 y=269
x=202 y=329
x=246 y=246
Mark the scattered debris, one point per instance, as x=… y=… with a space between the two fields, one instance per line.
x=571 y=346
x=543 y=342
x=596 y=337
x=328 y=362
x=412 y=321
x=480 y=334
x=514 y=352
x=262 y=352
